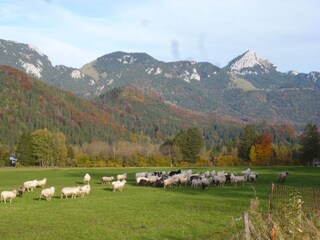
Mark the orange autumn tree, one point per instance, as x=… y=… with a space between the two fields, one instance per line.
x=261 y=151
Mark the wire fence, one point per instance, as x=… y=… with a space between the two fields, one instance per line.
x=280 y=195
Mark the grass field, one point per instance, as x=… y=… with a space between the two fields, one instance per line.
x=137 y=212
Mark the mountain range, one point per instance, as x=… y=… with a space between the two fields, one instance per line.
x=248 y=88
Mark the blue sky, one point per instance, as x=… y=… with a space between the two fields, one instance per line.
x=75 y=32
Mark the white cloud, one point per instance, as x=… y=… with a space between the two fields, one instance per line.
x=206 y=30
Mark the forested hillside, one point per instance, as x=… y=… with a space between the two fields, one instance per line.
x=27 y=105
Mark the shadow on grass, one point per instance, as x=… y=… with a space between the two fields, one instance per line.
x=107 y=189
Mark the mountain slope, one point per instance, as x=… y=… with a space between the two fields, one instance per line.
x=29 y=59
x=27 y=105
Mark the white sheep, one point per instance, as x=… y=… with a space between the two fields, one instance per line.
x=42 y=183
x=253 y=176
x=70 y=191
x=219 y=180
x=196 y=183
x=138 y=179
x=141 y=174
x=205 y=183
x=183 y=180
x=207 y=174
x=246 y=173
x=283 y=176
x=152 y=179
x=86 y=178
x=30 y=185
x=221 y=173
x=47 y=193
x=122 y=177
x=118 y=185
x=237 y=179
x=187 y=172
x=105 y=180
x=85 y=190
x=8 y=195
x=169 y=182
x=20 y=191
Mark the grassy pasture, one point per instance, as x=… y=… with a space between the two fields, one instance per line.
x=137 y=212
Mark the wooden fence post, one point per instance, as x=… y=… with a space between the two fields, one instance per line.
x=246 y=226
x=270 y=199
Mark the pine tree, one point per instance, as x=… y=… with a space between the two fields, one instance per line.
x=247 y=139
x=310 y=143
x=25 y=151
x=190 y=143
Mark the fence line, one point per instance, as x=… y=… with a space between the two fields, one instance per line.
x=280 y=195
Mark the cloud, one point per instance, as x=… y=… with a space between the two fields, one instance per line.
x=214 y=31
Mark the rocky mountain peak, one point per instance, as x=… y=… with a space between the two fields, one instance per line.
x=249 y=59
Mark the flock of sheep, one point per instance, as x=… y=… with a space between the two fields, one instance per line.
x=155 y=179
x=195 y=180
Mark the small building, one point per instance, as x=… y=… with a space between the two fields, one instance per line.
x=316 y=162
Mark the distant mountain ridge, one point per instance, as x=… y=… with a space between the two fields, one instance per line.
x=247 y=88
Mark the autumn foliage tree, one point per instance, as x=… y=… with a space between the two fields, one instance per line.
x=261 y=151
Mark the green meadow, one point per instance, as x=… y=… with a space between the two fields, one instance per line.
x=137 y=212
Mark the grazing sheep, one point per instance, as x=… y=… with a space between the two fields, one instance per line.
x=174 y=173
x=142 y=182
x=159 y=183
x=237 y=179
x=122 y=177
x=70 y=191
x=169 y=182
x=194 y=176
x=141 y=174
x=253 y=176
x=152 y=179
x=86 y=178
x=187 y=172
x=47 y=193
x=30 y=185
x=196 y=183
x=20 y=191
x=283 y=176
x=219 y=180
x=207 y=174
x=8 y=195
x=205 y=183
x=221 y=173
x=183 y=180
x=85 y=190
x=159 y=174
x=105 y=180
x=139 y=179
x=118 y=185
x=246 y=173
x=42 y=183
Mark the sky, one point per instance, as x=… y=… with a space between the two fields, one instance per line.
x=76 y=32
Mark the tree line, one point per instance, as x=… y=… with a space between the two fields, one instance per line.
x=187 y=148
